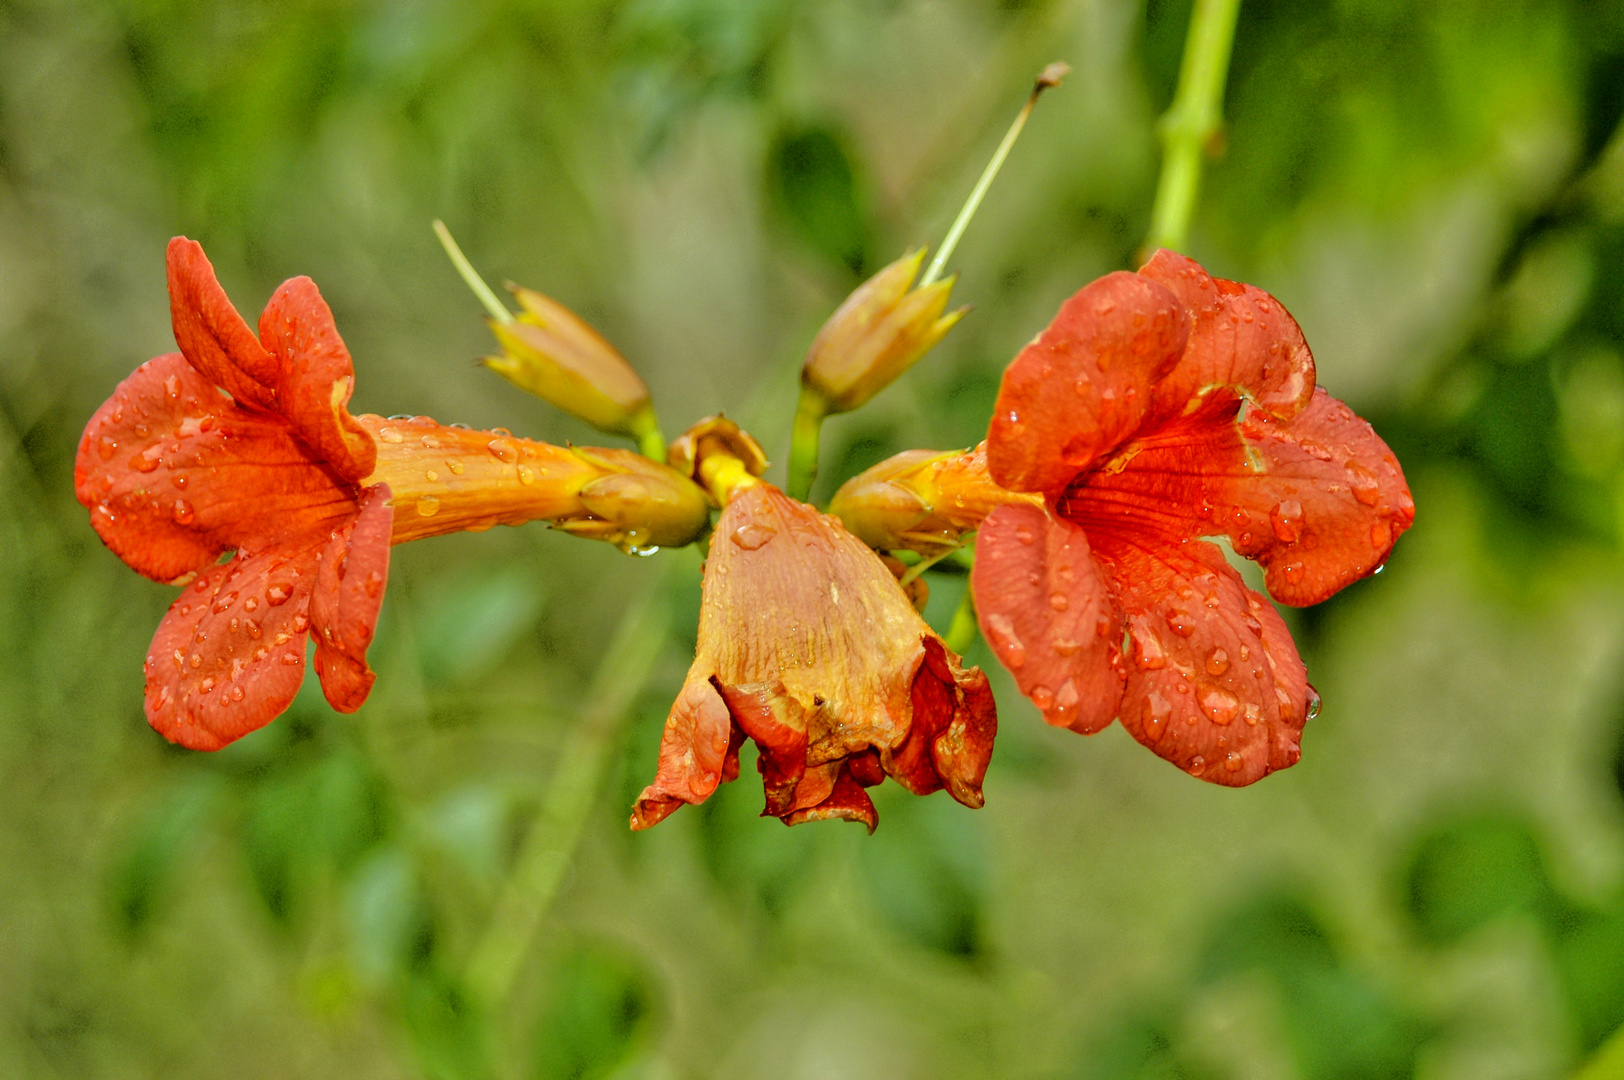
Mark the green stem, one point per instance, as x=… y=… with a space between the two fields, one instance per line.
x=1051 y=77
x=803 y=444
x=651 y=444
x=539 y=869
x=1193 y=121
x=470 y=276
x=961 y=632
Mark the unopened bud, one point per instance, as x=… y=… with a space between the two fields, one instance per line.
x=551 y=352
x=640 y=503
x=718 y=454
x=921 y=500
x=882 y=330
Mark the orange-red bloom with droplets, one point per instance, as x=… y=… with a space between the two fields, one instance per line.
x=1160 y=407
x=808 y=646
x=243 y=442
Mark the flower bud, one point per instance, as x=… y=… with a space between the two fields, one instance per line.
x=882 y=329
x=551 y=352
x=646 y=503
x=921 y=500
x=718 y=454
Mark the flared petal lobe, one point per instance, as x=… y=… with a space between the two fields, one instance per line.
x=315 y=378
x=1074 y=394
x=1049 y=616
x=808 y=647
x=352 y=571
x=174 y=475
x=213 y=337
x=1214 y=684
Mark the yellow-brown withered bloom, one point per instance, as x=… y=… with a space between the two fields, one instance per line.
x=881 y=331
x=552 y=352
x=808 y=646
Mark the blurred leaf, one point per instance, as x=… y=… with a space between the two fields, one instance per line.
x=1140 y=1046
x=1276 y=933
x=1590 y=963
x=388 y=917
x=1470 y=871
x=309 y=825
x=472 y=826
x=170 y=831
x=448 y=1031
x=600 y=1012
x=813 y=183
x=471 y=622
x=925 y=867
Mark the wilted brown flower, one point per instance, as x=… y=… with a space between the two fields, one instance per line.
x=808 y=646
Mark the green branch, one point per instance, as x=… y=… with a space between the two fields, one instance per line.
x=1193 y=121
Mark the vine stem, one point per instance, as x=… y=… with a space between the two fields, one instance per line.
x=1193 y=121
x=803 y=445
x=961 y=632
x=537 y=873
x=470 y=276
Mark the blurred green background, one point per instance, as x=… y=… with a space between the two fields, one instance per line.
x=1435 y=189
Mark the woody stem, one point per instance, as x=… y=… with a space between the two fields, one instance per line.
x=1193 y=121
x=533 y=882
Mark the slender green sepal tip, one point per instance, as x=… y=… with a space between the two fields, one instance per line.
x=470 y=276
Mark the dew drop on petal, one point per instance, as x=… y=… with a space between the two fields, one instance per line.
x=1252 y=713
x=1293 y=572
x=182 y=512
x=1233 y=762
x=1001 y=635
x=224 y=602
x=1313 y=703
x=1363 y=483
x=195 y=660
x=277 y=594
x=456 y=467
x=1065 y=647
x=1153 y=715
x=1381 y=534
x=1068 y=696
x=1042 y=697
x=753 y=536
x=1024 y=535
x=1217 y=661
x=251 y=604
x=1180 y=623
x=427 y=505
x=290 y=659
x=1150 y=655
x=430 y=475
x=1219 y=704
x=504 y=450
x=236 y=693
x=527 y=475
x=374 y=584
x=301 y=623
x=1059 y=601
x=1198 y=765
x=390 y=435
x=1287 y=519
x=207 y=685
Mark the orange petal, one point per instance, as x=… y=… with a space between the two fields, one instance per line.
x=1084 y=385
x=229 y=656
x=1241 y=338
x=950 y=741
x=1326 y=508
x=776 y=721
x=350 y=580
x=693 y=752
x=1048 y=615
x=1214 y=684
x=315 y=377
x=846 y=801
x=174 y=474
x=215 y=339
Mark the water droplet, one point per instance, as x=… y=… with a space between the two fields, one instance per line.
x=456 y=467
x=753 y=536
x=1381 y=534
x=500 y=431
x=147 y=460
x=106 y=448
x=236 y=694
x=390 y=435
x=1059 y=601
x=1252 y=714
x=1153 y=715
x=1219 y=704
x=1149 y=656
x=282 y=638
x=527 y=475
x=1363 y=483
x=1180 y=623
x=182 y=512
x=1068 y=696
x=1217 y=661
x=1212 y=600
x=1042 y=697
x=195 y=660
x=179 y=480
x=1313 y=703
x=1246 y=654
x=1001 y=636
x=1287 y=518
x=251 y=604
x=254 y=630
x=430 y=442
x=374 y=584
x=1103 y=624
x=277 y=593
x=1233 y=762
x=427 y=505
x=262 y=652
x=1065 y=647
x=290 y=659
x=1293 y=572
x=504 y=450
x=224 y=602
x=1198 y=765
x=431 y=475
x=301 y=623
x=1024 y=535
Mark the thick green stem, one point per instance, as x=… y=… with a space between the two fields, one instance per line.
x=651 y=444
x=961 y=632
x=803 y=444
x=1193 y=121
x=571 y=794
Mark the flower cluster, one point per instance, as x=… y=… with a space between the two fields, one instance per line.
x=1159 y=408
